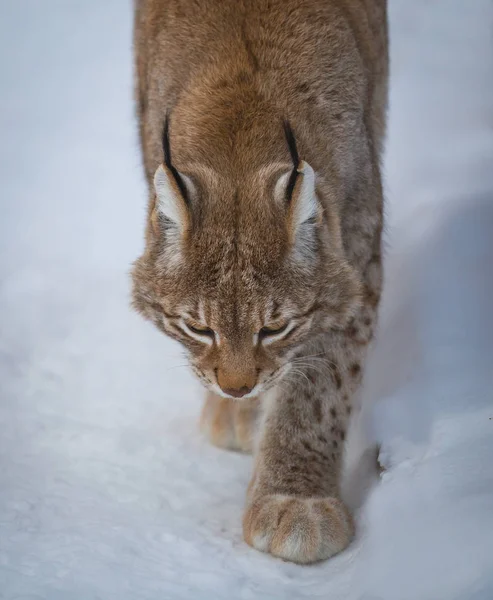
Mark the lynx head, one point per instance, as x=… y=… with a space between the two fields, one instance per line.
x=242 y=267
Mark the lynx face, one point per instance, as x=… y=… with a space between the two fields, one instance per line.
x=242 y=272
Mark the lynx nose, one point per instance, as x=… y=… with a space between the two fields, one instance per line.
x=236 y=382
x=237 y=392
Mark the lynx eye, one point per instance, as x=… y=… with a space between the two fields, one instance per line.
x=199 y=333
x=201 y=330
x=266 y=332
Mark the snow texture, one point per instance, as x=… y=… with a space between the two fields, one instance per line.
x=106 y=489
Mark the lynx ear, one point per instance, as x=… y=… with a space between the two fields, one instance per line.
x=304 y=210
x=298 y=187
x=172 y=192
x=304 y=207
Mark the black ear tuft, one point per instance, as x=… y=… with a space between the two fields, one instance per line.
x=167 y=161
x=293 y=150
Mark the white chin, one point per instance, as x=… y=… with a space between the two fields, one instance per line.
x=255 y=392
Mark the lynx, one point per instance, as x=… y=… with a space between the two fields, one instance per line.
x=261 y=126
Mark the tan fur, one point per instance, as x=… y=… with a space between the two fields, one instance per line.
x=228 y=423
x=228 y=73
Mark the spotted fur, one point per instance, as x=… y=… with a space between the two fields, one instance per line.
x=263 y=235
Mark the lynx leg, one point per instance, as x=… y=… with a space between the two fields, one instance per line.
x=229 y=424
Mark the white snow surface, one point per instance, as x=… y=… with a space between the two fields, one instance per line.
x=106 y=489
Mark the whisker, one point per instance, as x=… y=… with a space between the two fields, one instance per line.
x=175 y=367
x=322 y=369
x=313 y=358
x=312 y=355
x=295 y=371
x=328 y=363
x=318 y=368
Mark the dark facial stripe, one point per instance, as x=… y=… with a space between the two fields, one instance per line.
x=313 y=308
x=172 y=331
x=194 y=315
x=290 y=333
x=275 y=314
x=176 y=332
x=168 y=315
x=179 y=331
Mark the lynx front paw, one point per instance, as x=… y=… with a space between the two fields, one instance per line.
x=229 y=423
x=301 y=530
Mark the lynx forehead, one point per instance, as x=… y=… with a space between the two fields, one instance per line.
x=261 y=126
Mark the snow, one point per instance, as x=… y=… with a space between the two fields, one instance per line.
x=106 y=489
